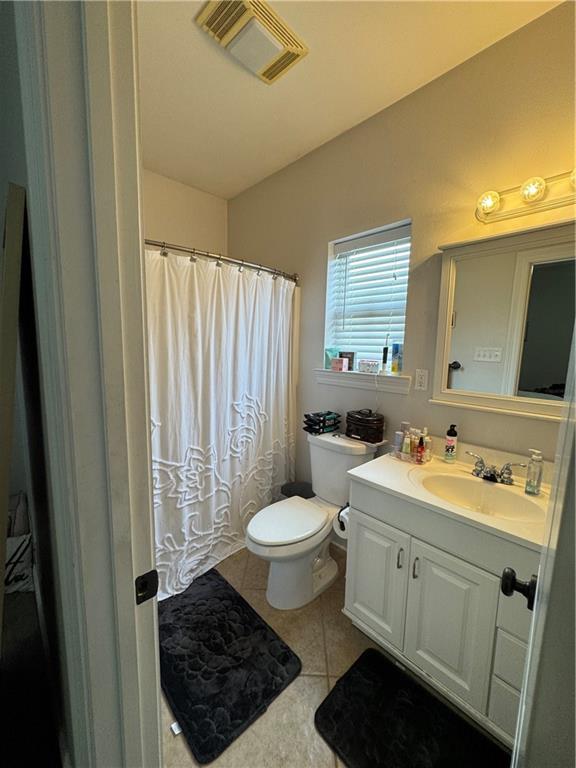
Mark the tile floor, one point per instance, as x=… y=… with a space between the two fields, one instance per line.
x=327 y=644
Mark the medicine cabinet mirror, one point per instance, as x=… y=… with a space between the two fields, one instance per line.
x=506 y=322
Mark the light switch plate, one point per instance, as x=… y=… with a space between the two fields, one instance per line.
x=421 y=379
x=488 y=355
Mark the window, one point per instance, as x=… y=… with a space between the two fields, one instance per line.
x=366 y=293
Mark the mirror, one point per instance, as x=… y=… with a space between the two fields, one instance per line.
x=506 y=321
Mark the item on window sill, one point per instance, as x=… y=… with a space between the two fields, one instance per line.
x=339 y=364
x=451 y=444
x=397 y=358
x=350 y=357
x=368 y=366
x=384 y=358
x=329 y=354
x=365 y=425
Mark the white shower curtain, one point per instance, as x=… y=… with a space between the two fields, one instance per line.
x=222 y=405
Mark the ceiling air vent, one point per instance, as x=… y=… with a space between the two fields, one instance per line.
x=254 y=34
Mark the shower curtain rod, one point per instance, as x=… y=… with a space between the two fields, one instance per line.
x=218 y=257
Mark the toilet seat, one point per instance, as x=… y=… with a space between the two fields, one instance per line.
x=287 y=522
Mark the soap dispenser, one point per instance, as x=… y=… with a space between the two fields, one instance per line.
x=450 y=444
x=534 y=472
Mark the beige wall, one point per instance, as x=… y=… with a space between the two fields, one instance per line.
x=490 y=123
x=183 y=215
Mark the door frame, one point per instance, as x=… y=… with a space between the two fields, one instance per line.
x=560 y=504
x=78 y=82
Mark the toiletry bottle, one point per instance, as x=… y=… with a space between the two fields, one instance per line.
x=414 y=440
x=534 y=472
x=450 y=445
x=421 y=450
x=406 y=446
x=398 y=440
x=427 y=445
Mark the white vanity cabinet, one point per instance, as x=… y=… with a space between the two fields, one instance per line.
x=450 y=621
x=439 y=610
x=376 y=589
x=427 y=588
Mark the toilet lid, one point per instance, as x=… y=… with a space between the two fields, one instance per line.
x=286 y=522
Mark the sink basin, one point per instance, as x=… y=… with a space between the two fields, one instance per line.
x=482 y=496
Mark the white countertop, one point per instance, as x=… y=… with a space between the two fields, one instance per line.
x=400 y=478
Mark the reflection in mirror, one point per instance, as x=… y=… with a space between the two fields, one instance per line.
x=512 y=323
x=547 y=331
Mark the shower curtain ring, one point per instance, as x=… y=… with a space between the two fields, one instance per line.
x=241 y=267
x=275 y=275
x=193 y=258
x=163 y=251
x=219 y=262
x=259 y=271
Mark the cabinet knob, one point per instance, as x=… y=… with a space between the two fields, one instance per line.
x=415 y=568
x=509 y=584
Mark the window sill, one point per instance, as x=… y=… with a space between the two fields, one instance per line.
x=396 y=383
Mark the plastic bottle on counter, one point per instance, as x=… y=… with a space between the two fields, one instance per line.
x=451 y=444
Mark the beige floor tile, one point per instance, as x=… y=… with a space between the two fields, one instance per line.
x=301 y=629
x=284 y=737
x=256 y=574
x=233 y=568
x=344 y=643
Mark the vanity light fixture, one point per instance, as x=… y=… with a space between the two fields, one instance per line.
x=536 y=194
x=489 y=202
x=533 y=189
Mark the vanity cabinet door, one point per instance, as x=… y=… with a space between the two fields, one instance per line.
x=450 y=621
x=377 y=576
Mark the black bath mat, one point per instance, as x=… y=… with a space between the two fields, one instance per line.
x=377 y=716
x=221 y=665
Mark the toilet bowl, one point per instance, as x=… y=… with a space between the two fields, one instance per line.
x=294 y=534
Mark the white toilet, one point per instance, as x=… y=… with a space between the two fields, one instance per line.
x=294 y=534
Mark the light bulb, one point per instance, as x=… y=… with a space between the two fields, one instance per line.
x=488 y=202
x=533 y=189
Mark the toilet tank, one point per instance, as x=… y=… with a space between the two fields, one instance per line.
x=332 y=456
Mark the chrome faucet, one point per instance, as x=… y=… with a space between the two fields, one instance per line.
x=489 y=472
x=506 y=472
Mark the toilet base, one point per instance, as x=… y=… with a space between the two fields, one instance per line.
x=294 y=583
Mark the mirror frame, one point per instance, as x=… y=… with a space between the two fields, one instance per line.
x=525 y=240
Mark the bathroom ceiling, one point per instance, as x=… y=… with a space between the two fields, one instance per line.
x=211 y=124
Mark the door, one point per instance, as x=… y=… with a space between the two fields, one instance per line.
x=545 y=729
x=9 y=299
x=377 y=579
x=451 y=613
x=76 y=63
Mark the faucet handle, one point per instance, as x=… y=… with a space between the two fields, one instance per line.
x=480 y=464
x=506 y=472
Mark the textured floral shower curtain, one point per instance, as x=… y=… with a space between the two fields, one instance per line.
x=222 y=404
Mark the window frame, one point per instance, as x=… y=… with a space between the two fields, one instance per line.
x=399 y=383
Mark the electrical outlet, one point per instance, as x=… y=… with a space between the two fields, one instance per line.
x=421 y=379
x=488 y=355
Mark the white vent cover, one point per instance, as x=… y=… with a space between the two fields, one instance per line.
x=254 y=34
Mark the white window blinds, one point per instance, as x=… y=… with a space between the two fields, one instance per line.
x=366 y=295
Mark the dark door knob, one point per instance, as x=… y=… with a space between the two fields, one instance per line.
x=455 y=365
x=510 y=584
